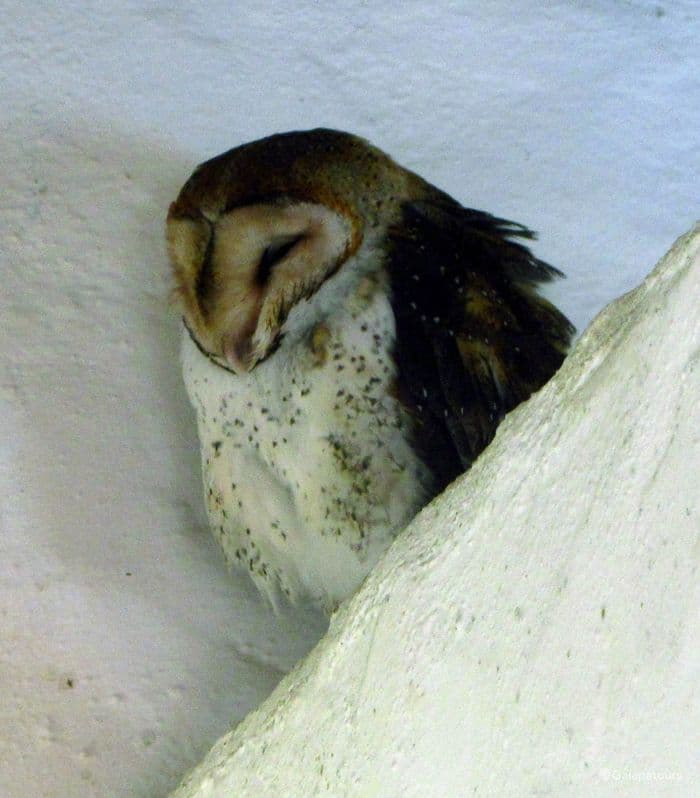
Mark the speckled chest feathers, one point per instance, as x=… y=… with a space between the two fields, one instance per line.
x=352 y=338
x=308 y=469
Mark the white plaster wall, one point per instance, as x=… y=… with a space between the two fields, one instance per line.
x=535 y=631
x=126 y=649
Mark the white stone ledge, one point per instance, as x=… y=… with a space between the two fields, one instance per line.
x=535 y=630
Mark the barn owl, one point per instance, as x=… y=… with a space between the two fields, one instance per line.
x=352 y=336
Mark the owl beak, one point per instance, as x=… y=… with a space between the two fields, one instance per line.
x=239 y=353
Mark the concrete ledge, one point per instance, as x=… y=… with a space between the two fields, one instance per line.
x=535 y=630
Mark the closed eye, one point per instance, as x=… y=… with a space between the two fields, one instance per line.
x=273 y=254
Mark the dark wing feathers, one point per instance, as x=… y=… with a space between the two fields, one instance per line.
x=474 y=339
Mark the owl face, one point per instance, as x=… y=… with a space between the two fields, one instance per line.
x=240 y=274
x=257 y=230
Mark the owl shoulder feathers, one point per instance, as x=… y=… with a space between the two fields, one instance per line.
x=473 y=338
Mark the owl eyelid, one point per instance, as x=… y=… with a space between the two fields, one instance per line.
x=273 y=254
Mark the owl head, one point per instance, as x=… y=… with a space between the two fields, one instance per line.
x=260 y=228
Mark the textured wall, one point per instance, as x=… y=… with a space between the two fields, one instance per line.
x=127 y=649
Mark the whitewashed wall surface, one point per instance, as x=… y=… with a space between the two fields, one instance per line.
x=126 y=649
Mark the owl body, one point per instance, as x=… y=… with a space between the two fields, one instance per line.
x=308 y=469
x=353 y=337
